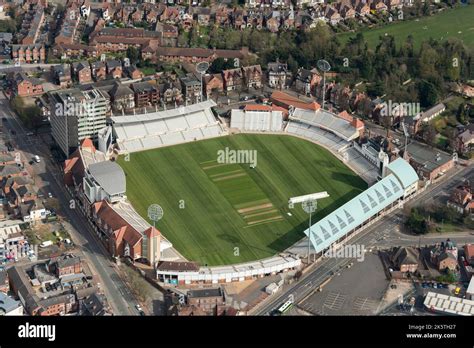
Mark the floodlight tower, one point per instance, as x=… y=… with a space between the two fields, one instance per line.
x=324 y=66
x=155 y=213
x=309 y=203
x=201 y=68
x=405 y=154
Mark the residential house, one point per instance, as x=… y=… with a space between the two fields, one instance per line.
x=406 y=259
x=133 y=72
x=465 y=140
x=62 y=75
x=213 y=83
x=99 y=70
x=82 y=72
x=191 y=87
x=146 y=94
x=25 y=86
x=233 y=79
x=252 y=76
x=307 y=80
x=278 y=75
x=122 y=97
x=114 y=69
x=170 y=93
x=460 y=199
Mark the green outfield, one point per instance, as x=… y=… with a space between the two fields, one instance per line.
x=457 y=23
x=219 y=213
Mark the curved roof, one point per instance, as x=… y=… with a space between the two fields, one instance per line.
x=109 y=175
x=403 y=171
x=359 y=209
x=365 y=205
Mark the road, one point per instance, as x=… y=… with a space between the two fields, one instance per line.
x=47 y=174
x=25 y=66
x=384 y=233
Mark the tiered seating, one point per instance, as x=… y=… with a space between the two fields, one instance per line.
x=327 y=121
x=147 y=131
x=259 y=121
x=319 y=135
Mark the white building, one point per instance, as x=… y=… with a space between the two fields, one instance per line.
x=9 y=306
x=76 y=115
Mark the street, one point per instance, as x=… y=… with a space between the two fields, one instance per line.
x=120 y=298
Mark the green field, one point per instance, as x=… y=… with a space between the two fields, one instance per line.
x=218 y=213
x=458 y=23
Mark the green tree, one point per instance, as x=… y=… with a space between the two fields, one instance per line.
x=428 y=94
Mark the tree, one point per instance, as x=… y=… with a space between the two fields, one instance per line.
x=429 y=134
x=428 y=94
x=133 y=54
x=220 y=64
x=416 y=222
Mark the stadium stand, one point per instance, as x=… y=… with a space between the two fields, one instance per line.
x=327 y=121
x=147 y=131
x=318 y=135
x=400 y=182
x=250 y=120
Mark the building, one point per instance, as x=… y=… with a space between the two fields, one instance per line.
x=122 y=97
x=448 y=305
x=465 y=140
x=431 y=113
x=29 y=53
x=62 y=75
x=233 y=79
x=82 y=72
x=146 y=94
x=9 y=306
x=469 y=253
x=278 y=75
x=191 y=88
x=104 y=181
x=4 y=287
x=99 y=70
x=213 y=83
x=445 y=256
x=399 y=183
x=406 y=259
x=290 y=102
x=114 y=69
x=211 y=301
x=307 y=80
x=125 y=233
x=252 y=76
x=460 y=199
x=429 y=163
x=25 y=86
x=86 y=114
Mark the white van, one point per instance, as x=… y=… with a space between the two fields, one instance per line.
x=37 y=159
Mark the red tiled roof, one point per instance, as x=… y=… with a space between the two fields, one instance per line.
x=87 y=143
x=152 y=232
x=469 y=251
x=287 y=100
x=345 y=115
x=358 y=123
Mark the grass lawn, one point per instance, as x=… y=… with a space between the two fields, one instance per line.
x=458 y=22
x=218 y=213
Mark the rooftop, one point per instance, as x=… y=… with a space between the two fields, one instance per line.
x=109 y=175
